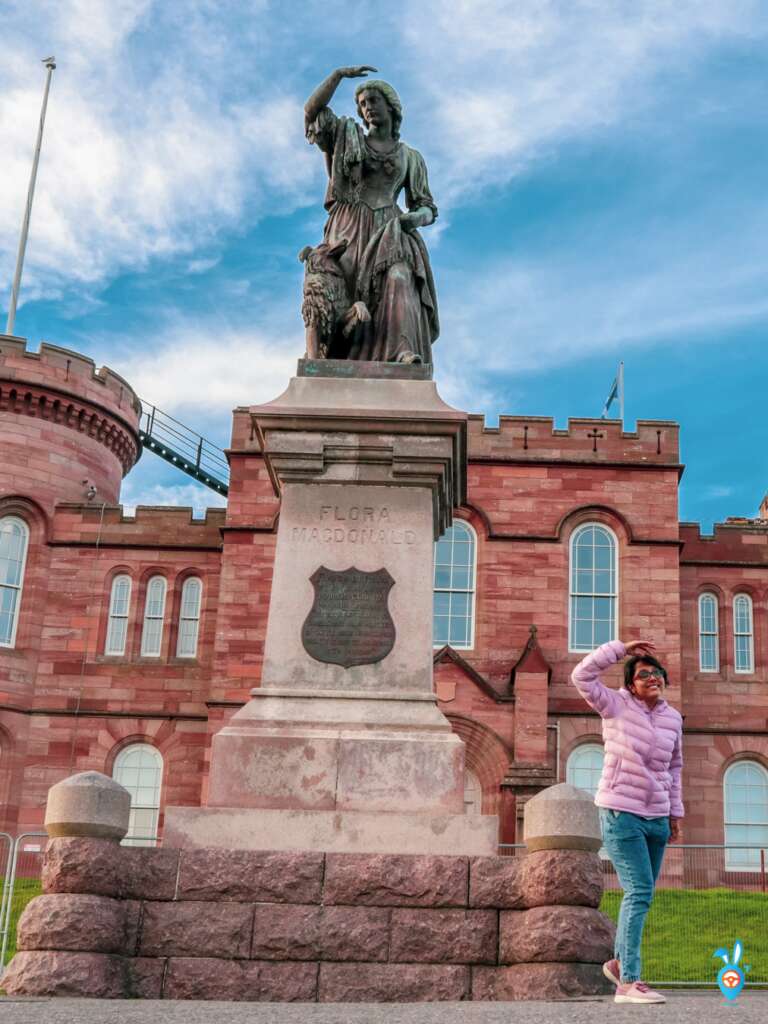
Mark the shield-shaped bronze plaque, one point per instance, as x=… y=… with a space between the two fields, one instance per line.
x=349 y=622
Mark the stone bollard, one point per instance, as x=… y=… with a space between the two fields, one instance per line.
x=556 y=943
x=70 y=938
x=88 y=804
x=562 y=817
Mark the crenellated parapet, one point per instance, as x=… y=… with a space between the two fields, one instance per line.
x=535 y=439
x=738 y=541
x=67 y=426
x=161 y=527
x=69 y=371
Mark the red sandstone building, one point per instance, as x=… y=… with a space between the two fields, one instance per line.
x=126 y=642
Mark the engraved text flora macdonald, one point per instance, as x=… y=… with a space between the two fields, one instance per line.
x=353 y=524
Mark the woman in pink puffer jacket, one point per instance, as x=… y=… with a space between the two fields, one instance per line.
x=639 y=794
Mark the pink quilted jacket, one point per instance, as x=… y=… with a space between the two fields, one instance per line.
x=643 y=746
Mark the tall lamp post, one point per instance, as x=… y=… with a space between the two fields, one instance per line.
x=50 y=63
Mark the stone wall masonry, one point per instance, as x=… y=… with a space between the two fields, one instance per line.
x=121 y=922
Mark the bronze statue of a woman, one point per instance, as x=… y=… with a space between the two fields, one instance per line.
x=382 y=263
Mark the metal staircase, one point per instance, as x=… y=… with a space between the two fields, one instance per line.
x=183 y=448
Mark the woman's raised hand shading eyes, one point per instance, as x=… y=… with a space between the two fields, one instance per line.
x=634 y=647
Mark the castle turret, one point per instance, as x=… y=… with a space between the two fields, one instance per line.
x=70 y=431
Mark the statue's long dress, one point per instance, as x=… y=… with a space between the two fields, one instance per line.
x=384 y=266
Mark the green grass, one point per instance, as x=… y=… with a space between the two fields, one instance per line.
x=685 y=927
x=24 y=890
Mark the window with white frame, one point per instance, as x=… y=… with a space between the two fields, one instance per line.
x=154 y=616
x=743 y=636
x=584 y=768
x=454 y=587
x=189 y=617
x=117 y=624
x=139 y=768
x=14 y=540
x=745 y=804
x=593 y=587
x=709 y=639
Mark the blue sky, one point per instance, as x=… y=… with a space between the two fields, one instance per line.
x=599 y=166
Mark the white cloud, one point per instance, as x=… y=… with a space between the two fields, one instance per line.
x=206 y=369
x=505 y=81
x=715 y=491
x=200 y=266
x=515 y=316
x=141 y=157
x=136 y=491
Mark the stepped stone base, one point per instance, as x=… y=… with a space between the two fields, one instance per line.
x=272 y=926
x=333 y=831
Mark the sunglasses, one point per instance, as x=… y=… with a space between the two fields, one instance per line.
x=653 y=673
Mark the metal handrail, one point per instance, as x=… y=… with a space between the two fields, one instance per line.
x=184 y=448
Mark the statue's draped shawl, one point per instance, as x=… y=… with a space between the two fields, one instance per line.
x=385 y=244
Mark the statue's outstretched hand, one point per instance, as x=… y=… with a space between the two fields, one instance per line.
x=356 y=71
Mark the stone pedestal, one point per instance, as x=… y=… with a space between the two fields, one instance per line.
x=343 y=745
x=311 y=926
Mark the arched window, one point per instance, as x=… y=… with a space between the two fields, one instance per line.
x=14 y=540
x=585 y=766
x=709 y=641
x=189 y=618
x=594 y=587
x=743 y=639
x=583 y=769
x=473 y=793
x=139 y=768
x=154 y=614
x=454 y=587
x=117 y=626
x=745 y=803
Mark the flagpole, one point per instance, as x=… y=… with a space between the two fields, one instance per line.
x=50 y=63
x=621 y=391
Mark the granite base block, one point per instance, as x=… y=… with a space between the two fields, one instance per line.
x=539 y=981
x=555 y=934
x=57 y=973
x=283 y=926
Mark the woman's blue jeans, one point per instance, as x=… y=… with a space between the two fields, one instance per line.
x=636 y=847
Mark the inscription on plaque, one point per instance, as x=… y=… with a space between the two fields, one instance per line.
x=349 y=622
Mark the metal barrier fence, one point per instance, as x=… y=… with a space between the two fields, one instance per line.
x=21 y=862
x=706 y=898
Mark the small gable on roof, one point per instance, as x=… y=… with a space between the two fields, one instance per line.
x=531 y=660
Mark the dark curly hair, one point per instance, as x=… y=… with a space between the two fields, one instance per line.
x=646 y=659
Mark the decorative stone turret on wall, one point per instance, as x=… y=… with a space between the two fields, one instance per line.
x=308 y=926
x=66 y=426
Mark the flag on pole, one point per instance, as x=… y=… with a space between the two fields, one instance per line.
x=617 y=391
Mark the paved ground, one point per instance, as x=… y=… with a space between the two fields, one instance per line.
x=681 y=1008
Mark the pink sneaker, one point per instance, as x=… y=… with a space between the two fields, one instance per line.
x=637 y=992
x=612 y=971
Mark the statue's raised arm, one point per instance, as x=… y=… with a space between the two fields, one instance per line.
x=369 y=292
